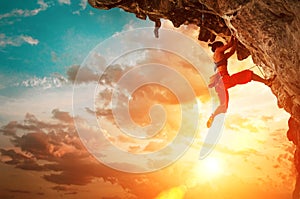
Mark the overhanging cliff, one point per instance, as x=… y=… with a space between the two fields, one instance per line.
x=268 y=30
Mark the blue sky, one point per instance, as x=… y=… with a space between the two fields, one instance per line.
x=39 y=38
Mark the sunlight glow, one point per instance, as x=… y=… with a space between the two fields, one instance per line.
x=209 y=167
x=212 y=166
x=173 y=193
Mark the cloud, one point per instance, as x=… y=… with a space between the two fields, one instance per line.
x=245 y=152
x=30 y=40
x=16 y=40
x=43 y=4
x=77 y=12
x=152 y=146
x=83 y=4
x=56 y=80
x=174 y=193
x=54 y=148
x=86 y=74
x=14 y=157
x=71 y=193
x=143 y=98
x=60 y=188
x=25 y=13
x=267 y=118
x=67 y=2
x=56 y=142
x=31 y=165
x=238 y=122
x=19 y=191
x=62 y=116
x=91 y=71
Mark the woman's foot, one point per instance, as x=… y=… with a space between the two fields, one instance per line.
x=210 y=121
x=270 y=81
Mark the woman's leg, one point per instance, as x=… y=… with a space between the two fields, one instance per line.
x=246 y=76
x=259 y=79
x=222 y=108
x=242 y=77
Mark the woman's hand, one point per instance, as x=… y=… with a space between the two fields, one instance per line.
x=231 y=41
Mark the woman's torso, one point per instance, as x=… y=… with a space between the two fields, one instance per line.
x=220 y=63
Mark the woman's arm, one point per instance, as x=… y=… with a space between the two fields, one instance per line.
x=227 y=46
x=232 y=50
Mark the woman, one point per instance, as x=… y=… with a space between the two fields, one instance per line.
x=222 y=80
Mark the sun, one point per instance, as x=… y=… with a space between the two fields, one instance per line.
x=209 y=168
x=212 y=166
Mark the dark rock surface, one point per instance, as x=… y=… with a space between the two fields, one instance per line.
x=268 y=30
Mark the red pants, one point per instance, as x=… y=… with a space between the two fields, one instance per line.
x=227 y=82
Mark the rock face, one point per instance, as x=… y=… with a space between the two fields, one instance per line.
x=268 y=30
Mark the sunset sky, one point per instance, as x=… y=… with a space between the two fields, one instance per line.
x=60 y=134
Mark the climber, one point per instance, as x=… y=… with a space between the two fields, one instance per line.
x=222 y=81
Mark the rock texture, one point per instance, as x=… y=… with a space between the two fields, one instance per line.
x=268 y=30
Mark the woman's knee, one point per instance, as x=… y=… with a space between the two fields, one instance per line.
x=223 y=108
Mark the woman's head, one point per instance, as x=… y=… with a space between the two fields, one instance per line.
x=215 y=45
